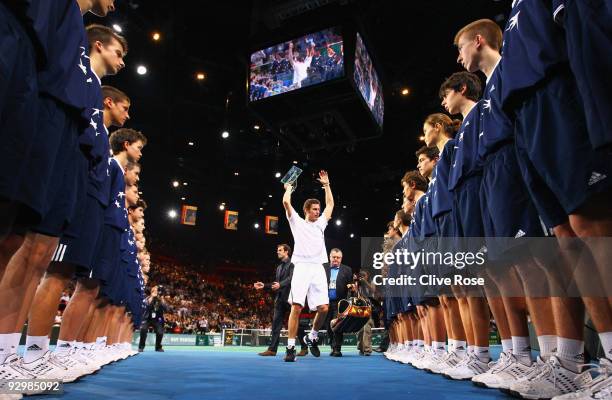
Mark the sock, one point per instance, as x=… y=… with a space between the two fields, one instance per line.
x=548 y=345
x=451 y=345
x=470 y=349
x=62 y=347
x=428 y=348
x=35 y=348
x=439 y=347
x=101 y=341
x=460 y=348
x=570 y=353
x=507 y=345
x=606 y=343
x=420 y=344
x=291 y=343
x=521 y=349
x=89 y=346
x=313 y=334
x=9 y=342
x=78 y=345
x=482 y=353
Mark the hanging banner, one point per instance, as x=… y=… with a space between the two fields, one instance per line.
x=231 y=220
x=271 y=225
x=188 y=215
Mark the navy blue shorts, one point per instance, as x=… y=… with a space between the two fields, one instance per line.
x=554 y=151
x=18 y=108
x=53 y=180
x=509 y=213
x=79 y=216
x=81 y=250
x=466 y=214
x=588 y=32
x=106 y=260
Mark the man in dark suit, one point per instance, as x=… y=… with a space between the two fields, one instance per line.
x=282 y=286
x=339 y=277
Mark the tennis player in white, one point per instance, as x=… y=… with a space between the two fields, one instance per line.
x=309 y=280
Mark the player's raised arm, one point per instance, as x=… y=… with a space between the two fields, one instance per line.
x=287 y=200
x=329 y=198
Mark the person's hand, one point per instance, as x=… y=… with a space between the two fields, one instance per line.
x=258 y=285
x=351 y=286
x=323 y=178
x=275 y=285
x=287 y=186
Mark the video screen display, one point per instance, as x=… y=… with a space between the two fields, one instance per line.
x=302 y=62
x=367 y=81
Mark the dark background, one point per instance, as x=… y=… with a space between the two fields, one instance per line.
x=412 y=45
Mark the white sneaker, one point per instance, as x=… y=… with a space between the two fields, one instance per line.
x=433 y=361
x=551 y=380
x=469 y=367
x=504 y=373
x=412 y=355
x=9 y=370
x=598 y=388
x=41 y=368
x=448 y=361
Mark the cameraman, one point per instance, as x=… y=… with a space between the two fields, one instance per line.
x=153 y=316
x=367 y=290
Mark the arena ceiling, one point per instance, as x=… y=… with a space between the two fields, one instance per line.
x=412 y=41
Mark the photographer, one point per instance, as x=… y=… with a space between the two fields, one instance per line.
x=153 y=316
x=367 y=290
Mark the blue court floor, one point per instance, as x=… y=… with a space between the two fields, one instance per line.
x=209 y=373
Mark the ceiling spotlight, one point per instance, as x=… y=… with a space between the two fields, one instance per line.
x=222 y=206
x=117 y=28
x=190 y=143
x=422 y=138
x=200 y=76
x=225 y=134
x=295 y=162
x=405 y=92
x=256 y=226
x=343 y=206
x=260 y=208
x=366 y=218
x=182 y=198
x=277 y=175
x=141 y=70
x=184 y=183
x=352 y=235
x=338 y=222
x=156 y=36
x=175 y=183
x=172 y=213
x=256 y=127
x=270 y=196
x=236 y=173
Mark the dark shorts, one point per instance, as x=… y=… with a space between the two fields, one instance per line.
x=106 y=260
x=18 y=110
x=509 y=213
x=559 y=165
x=588 y=32
x=81 y=250
x=53 y=177
x=466 y=212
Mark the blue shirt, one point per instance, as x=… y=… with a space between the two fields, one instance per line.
x=496 y=127
x=466 y=161
x=417 y=216
x=62 y=42
x=532 y=44
x=115 y=214
x=428 y=227
x=333 y=274
x=442 y=199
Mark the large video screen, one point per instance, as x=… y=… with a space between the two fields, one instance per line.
x=302 y=62
x=367 y=81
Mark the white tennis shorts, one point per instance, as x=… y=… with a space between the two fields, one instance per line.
x=309 y=282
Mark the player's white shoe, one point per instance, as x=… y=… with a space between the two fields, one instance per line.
x=551 y=380
x=43 y=368
x=431 y=362
x=598 y=388
x=469 y=367
x=9 y=370
x=504 y=373
x=448 y=361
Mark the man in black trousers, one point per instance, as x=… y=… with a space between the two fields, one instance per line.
x=282 y=286
x=339 y=277
x=153 y=316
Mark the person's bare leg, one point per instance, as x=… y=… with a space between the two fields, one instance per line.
x=479 y=314
x=320 y=317
x=8 y=247
x=294 y=320
x=466 y=320
x=438 y=325
x=79 y=310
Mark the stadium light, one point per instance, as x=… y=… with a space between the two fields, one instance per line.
x=270 y=196
x=175 y=183
x=405 y=92
x=222 y=206
x=338 y=222
x=190 y=143
x=277 y=175
x=352 y=235
x=172 y=214
x=225 y=134
x=200 y=76
x=422 y=138
x=256 y=127
x=156 y=36
x=117 y=28
x=256 y=226
x=141 y=70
